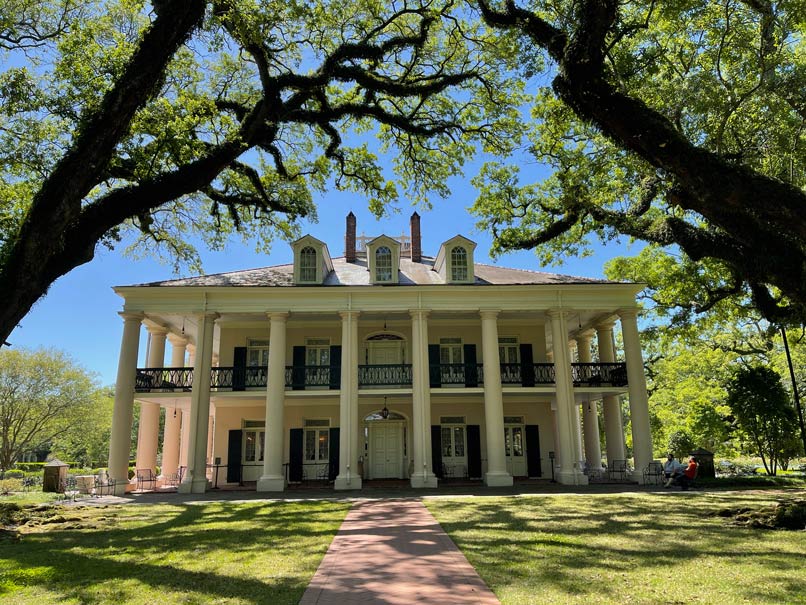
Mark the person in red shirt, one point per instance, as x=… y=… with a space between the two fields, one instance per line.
x=689 y=474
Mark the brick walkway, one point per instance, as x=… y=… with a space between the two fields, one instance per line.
x=394 y=552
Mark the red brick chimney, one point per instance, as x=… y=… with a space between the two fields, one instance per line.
x=349 y=239
x=416 y=244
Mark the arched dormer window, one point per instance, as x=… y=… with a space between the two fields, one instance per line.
x=307 y=264
x=383 y=264
x=458 y=264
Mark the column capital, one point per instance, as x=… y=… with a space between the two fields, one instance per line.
x=157 y=330
x=177 y=340
x=132 y=315
x=278 y=315
x=349 y=314
x=585 y=335
x=629 y=313
x=419 y=313
x=489 y=313
x=555 y=313
x=207 y=315
x=606 y=325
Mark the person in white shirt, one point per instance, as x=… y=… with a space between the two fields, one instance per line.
x=671 y=469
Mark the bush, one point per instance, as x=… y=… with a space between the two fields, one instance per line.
x=30 y=467
x=13 y=474
x=10 y=485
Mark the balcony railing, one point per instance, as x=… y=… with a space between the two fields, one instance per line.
x=155 y=380
x=385 y=375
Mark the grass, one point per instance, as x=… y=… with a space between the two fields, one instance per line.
x=223 y=553
x=650 y=548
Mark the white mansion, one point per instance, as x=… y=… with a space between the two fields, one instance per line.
x=382 y=364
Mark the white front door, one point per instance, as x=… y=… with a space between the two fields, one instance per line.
x=515 y=445
x=385 y=452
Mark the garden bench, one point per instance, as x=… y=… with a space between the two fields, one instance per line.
x=617 y=469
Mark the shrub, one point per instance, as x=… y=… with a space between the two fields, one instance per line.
x=10 y=485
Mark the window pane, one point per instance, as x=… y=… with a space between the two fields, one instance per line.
x=517 y=441
x=323 y=445
x=307 y=264
x=446 y=442
x=458 y=264
x=459 y=441
x=262 y=435
x=506 y=442
x=249 y=446
x=310 y=445
x=383 y=264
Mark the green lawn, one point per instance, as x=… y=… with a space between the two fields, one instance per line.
x=645 y=548
x=250 y=553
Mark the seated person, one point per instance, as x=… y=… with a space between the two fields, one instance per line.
x=688 y=475
x=671 y=470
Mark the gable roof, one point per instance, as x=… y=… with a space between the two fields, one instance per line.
x=356 y=274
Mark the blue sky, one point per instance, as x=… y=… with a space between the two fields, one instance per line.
x=80 y=312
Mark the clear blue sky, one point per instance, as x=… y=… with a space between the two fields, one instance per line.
x=80 y=312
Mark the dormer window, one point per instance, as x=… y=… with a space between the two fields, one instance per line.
x=383 y=258
x=454 y=261
x=383 y=264
x=458 y=264
x=307 y=264
x=312 y=262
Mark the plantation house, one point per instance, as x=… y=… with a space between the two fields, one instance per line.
x=384 y=363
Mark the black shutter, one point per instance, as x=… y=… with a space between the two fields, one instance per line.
x=239 y=369
x=436 y=449
x=434 y=374
x=295 y=456
x=234 y=456
x=527 y=366
x=471 y=366
x=335 y=367
x=474 y=451
x=333 y=461
x=533 y=451
x=298 y=369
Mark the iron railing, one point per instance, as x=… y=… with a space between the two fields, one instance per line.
x=400 y=375
x=385 y=375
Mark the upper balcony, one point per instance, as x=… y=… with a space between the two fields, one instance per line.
x=297 y=378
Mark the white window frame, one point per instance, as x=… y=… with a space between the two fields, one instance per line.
x=460 y=264
x=322 y=348
x=454 y=347
x=512 y=343
x=258 y=430
x=308 y=271
x=318 y=428
x=257 y=353
x=383 y=253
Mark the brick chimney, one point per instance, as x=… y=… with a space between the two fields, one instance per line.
x=349 y=239
x=416 y=244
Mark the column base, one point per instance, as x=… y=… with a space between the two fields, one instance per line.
x=120 y=488
x=424 y=481
x=270 y=483
x=193 y=486
x=498 y=479
x=573 y=477
x=347 y=481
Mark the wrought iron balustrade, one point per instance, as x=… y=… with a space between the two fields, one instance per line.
x=256 y=377
x=300 y=377
x=452 y=373
x=384 y=375
x=511 y=373
x=163 y=379
x=596 y=374
x=544 y=373
x=222 y=378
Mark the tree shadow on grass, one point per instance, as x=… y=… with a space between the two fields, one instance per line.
x=249 y=553
x=580 y=545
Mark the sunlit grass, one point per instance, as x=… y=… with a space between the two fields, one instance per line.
x=644 y=548
x=244 y=553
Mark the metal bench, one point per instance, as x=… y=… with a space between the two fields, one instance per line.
x=146 y=479
x=653 y=473
x=617 y=470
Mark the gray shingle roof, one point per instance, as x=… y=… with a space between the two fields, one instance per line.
x=356 y=274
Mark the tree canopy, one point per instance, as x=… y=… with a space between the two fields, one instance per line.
x=679 y=123
x=43 y=395
x=179 y=116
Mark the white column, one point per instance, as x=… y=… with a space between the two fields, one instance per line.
x=173 y=418
x=639 y=403
x=348 y=477
x=185 y=438
x=121 y=437
x=423 y=474
x=569 y=472
x=579 y=455
x=611 y=404
x=496 y=474
x=273 y=479
x=149 y=429
x=195 y=479
x=590 y=417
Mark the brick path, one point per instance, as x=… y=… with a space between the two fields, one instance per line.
x=394 y=552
